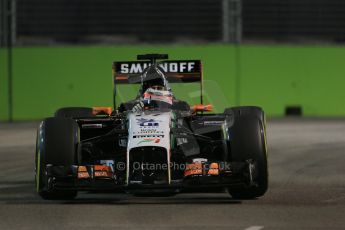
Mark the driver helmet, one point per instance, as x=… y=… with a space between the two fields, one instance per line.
x=153 y=76
x=155 y=86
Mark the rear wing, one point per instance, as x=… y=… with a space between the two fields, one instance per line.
x=179 y=71
x=184 y=71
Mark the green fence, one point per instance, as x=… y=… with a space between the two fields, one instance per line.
x=46 y=78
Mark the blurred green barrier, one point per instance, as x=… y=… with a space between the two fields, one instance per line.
x=46 y=78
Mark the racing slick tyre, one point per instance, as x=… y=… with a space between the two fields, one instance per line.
x=57 y=144
x=249 y=110
x=70 y=112
x=248 y=142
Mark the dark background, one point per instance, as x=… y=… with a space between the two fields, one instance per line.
x=78 y=21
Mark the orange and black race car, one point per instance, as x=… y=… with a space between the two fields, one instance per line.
x=154 y=143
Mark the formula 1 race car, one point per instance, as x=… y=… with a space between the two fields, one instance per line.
x=154 y=144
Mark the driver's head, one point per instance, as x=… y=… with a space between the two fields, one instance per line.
x=154 y=77
x=155 y=86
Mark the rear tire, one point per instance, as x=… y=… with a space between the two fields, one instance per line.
x=72 y=112
x=248 y=141
x=57 y=144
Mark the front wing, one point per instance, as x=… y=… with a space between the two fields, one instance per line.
x=105 y=178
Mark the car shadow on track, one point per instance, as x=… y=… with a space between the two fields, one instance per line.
x=23 y=192
x=157 y=201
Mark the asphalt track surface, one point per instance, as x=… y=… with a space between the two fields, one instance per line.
x=307 y=189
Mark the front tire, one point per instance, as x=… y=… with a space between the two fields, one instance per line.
x=247 y=110
x=57 y=144
x=248 y=141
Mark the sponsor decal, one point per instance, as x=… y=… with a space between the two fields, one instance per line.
x=142 y=122
x=83 y=173
x=178 y=67
x=213 y=122
x=148 y=136
x=148 y=132
x=91 y=126
x=152 y=140
x=168 y=67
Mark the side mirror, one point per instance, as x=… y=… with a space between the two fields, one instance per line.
x=202 y=108
x=101 y=110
